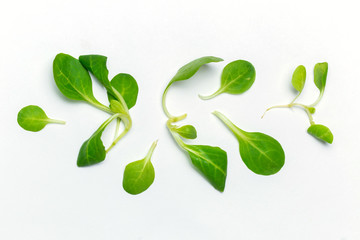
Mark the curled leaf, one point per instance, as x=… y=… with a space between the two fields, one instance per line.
x=321 y=132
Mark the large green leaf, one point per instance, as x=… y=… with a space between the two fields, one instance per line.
x=72 y=78
x=211 y=162
x=261 y=153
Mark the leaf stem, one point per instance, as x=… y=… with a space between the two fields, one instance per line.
x=277 y=106
x=151 y=150
x=235 y=130
x=127 y=123
x=318 y=99
x=210 y=96
x=56 y=121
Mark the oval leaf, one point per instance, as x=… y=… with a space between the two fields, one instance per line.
x=72 y=78
x=188 y=70
x=298 y=78
x=33 y=118
x=237 y=77
x=321 y=132
x=127 y=86
x=261 y=153
x=187 y=131
x=139 y=175
x=320 y=74
x=211 y=162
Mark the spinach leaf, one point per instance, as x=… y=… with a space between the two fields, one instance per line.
x=237 y=77
x=139 y=175
x=92 y=150
x=321 y=132
x=33 y=118
x=127 y=86
x=187 y=131
x=261 y=153
x=320 y=75
x=211 y=162
x=298 y=78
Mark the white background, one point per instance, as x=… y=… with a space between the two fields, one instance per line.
x=316 y=195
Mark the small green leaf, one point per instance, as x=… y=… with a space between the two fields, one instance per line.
x=237 y=77
x=298 y=78
x=139 y=175
x=72 y=78
x=188 y=70
x=261 y=153
x=93 y=150
x=187 y=131
x=33 y=118
x=117 y=107
x=211 y=162
x=321 y=132
x=320 y=74
x=127 y=86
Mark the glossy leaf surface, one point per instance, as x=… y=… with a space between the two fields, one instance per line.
x=298 y=78
x=211 y=162
x=72 y=78
x=261 y=153
x=187 y=131
x=320 y=75
x=321 y=132
x=237 y=77
x=33 y=118
x=139 y=175
x=188 y=70
x=127 y=86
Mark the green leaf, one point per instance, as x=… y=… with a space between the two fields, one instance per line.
x=187 y=131
x=261 y=153
x=117 y=107
x=96 y=64
x=188 y=70
x=72 y=78
x=320 y=74
x=93 y=150
x=127 y=86
x=298 y=78
x=237 y=77
x=33 y=118
x=321 y=132
x=211 y=162
x=139 y=175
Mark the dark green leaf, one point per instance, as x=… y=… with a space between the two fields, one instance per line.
x=33 y=118
x=188 y=70
x=211 y=162
x=261 y=153
x=96 y=64
x=93 y=151
x=139 y=175
x=321 y=132
x=320 y=74
x=127 y=86
x=237 y=77
x=187 y=131
x=298 y=78
x=72 y=78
